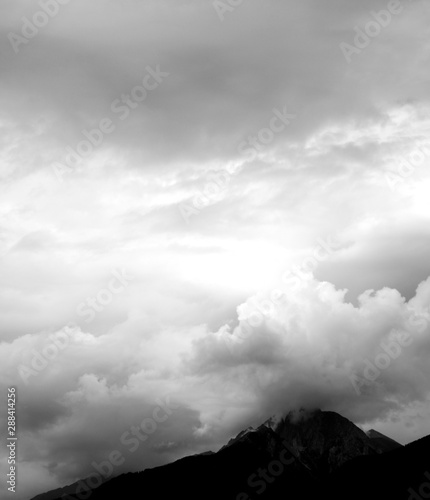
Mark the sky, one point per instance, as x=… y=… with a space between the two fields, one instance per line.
x=210 y=212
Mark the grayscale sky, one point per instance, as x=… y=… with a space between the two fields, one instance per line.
x=247 y=228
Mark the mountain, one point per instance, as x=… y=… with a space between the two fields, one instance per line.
x=304 y=455
x=58 y=492
x=400 y=474
x=324 y=440
x=381 y=442
x=258 y=464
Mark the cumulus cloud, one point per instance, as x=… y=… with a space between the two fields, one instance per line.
x=313 y=348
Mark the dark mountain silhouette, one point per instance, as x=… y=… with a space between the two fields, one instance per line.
x=327 y=440
x=393 y=475
x=381 y=442
x=305 y=455
x=58 y=492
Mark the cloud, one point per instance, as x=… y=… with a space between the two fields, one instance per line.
x=311 y=347
x=328 y=175
x=224 y=81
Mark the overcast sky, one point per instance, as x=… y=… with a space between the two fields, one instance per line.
x=244 y=158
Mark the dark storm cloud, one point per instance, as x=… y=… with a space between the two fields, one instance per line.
x=224 y=77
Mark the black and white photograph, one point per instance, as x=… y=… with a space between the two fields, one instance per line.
x=214 y=249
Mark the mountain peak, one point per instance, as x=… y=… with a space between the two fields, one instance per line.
x=302 y=414
x=273 y=421
x=383 y=443
x=375 y=434
x=292 y=456
x=324 y=440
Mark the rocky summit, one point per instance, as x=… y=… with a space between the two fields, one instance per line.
x=306 y=454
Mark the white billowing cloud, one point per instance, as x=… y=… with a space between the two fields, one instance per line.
x=314 y=349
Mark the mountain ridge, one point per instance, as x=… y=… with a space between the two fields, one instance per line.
x=301 y=454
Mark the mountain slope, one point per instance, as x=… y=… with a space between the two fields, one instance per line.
x=395 y=475
x=324 y=440
x=58 y=492
x=304 y=456
x=255 y=465
x=381 y=442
